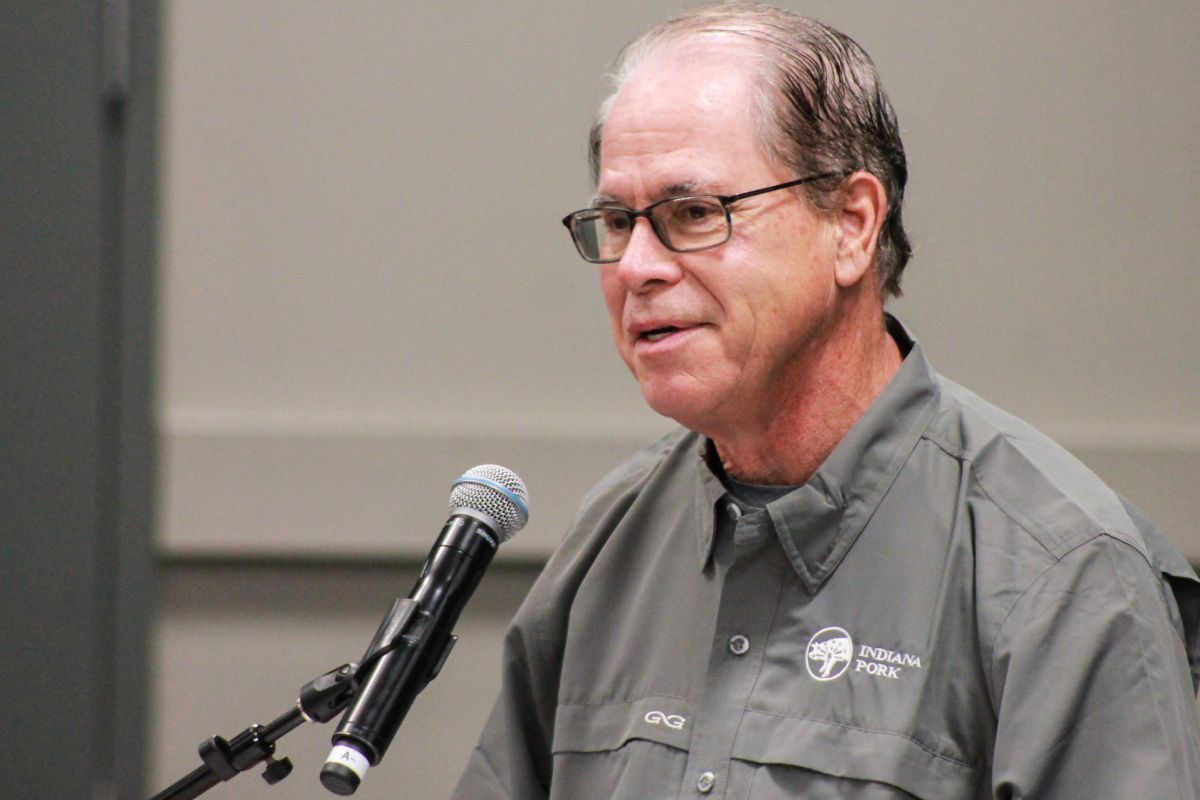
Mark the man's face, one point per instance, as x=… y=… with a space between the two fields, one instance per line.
x=716 y=338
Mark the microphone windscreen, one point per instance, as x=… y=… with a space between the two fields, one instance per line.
x=497 y=494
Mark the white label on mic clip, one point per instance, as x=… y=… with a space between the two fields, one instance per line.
x=350 y=758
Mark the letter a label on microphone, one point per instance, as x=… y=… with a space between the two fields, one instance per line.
x=351 y=759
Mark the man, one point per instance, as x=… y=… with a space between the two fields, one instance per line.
x=843 y=576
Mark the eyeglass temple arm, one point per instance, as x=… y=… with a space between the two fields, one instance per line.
x=733 y=198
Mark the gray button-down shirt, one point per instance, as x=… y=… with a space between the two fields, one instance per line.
x=952 y=607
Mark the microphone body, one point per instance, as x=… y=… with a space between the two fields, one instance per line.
x=415 y=638
x=451 y=573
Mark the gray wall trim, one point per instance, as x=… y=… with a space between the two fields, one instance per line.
x=311 y=494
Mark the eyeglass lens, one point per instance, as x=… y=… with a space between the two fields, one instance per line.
x=681 y=223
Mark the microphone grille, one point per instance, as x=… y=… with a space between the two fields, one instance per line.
x=495 y=492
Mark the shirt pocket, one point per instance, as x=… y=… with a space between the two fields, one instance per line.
x=634 y=750
x=789 y=757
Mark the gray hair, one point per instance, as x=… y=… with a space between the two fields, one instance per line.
x=820 y=108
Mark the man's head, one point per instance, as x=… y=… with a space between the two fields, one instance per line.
x=819 y=105
x=725 y=338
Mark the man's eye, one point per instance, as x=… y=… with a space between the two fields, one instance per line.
x=696 y=215
x=616 y=221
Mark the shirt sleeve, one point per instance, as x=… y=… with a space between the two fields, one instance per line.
x=1181 y=587
x=1093 y=695
x=512 y=760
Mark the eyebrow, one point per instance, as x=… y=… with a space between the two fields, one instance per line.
x=681 y=189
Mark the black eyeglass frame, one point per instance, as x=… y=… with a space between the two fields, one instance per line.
x=726 y=201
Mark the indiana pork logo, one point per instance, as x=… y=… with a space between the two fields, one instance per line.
x=828 y=654
x=831 y=652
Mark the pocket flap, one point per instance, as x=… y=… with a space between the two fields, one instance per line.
x=592 y=728
x=854 y=752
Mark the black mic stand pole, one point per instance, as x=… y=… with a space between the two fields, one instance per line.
x=320 y=701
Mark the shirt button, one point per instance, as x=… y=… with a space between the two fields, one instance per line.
x=706 y=782
x=734 y=511
x=738 y=645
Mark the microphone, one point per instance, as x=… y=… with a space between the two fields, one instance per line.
x=488 y=505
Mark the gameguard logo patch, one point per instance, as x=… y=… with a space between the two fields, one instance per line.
x=672 y=721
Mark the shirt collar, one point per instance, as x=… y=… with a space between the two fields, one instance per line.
x=709 y=490
x=819 y=522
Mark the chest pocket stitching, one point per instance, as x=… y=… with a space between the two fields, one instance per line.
x=911 y=740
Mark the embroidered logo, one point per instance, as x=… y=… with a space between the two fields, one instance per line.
x=672 y=721
x=828 y=654
x=831 y=652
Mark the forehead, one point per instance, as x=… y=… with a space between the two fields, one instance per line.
x=684 y=116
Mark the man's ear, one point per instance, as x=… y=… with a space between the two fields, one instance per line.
x=860 y=215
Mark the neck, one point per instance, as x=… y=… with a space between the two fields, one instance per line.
x=821 y=399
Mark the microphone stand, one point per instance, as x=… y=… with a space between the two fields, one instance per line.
x=321 y=700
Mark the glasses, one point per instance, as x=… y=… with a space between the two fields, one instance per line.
x=682 y=224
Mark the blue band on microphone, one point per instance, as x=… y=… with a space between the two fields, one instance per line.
x=502 y=489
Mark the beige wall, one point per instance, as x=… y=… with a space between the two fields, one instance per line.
x=366 y=291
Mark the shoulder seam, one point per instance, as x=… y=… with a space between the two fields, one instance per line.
x=1008 y=511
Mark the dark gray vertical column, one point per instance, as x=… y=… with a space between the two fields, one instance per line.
x=130 y=93
x=77 y=97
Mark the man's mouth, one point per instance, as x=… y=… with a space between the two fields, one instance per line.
x=660 y=333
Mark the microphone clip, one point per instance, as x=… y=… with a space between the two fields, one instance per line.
x=390 y=636
x=325 y=697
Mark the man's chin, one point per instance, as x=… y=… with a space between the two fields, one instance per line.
x=690 y=407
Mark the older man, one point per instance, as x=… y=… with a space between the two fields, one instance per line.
x=843 y=576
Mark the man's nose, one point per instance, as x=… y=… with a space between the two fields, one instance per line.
x=646 y=261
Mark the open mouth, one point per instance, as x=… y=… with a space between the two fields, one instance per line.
x=660 y=333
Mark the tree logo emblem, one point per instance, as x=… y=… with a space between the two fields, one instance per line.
x=828 y=654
